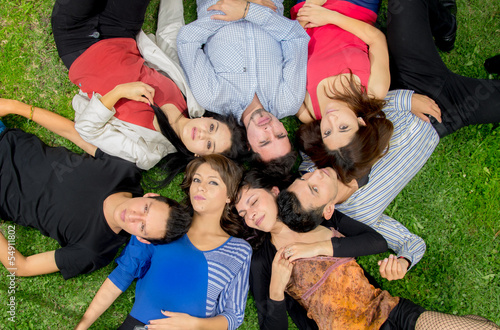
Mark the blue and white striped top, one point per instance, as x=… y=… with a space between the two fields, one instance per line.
x=411 y=144
x=177 y=277
x=227 y=63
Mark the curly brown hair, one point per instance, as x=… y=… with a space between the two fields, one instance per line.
x=368 y=145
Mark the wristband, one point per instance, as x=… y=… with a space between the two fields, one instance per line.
x=245 y=11
x=32 y=110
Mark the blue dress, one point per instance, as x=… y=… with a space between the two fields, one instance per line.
x=177 y=277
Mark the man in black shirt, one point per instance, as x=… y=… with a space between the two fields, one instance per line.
x=90 y=205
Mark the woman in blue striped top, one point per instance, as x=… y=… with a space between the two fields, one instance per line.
x=198 y=281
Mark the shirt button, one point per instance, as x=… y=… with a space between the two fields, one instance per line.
x=244 y=69
x=95 y=35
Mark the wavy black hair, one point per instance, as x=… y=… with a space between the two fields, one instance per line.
x=178 y=221
x=256 y=179
x=295 y=216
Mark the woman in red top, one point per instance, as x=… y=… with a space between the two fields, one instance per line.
x=96 y=41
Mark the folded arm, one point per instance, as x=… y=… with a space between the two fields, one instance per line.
x=380 y=78
x=359 y=240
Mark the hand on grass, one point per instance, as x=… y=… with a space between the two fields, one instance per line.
x=422 y=105
x=393 y=268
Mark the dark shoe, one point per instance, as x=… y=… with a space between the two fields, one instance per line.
x=451 y=5
x=447 y=42
x=492 y=64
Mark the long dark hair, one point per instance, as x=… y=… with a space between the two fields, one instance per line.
x=230 y=173
x=175 y=163
x=368 y=145
x=255 y=179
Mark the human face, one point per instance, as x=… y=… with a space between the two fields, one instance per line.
x=316 y=189
x=267 y=135
x=143 y=217
x=208 y=193
x=339 y=125
x=203 y=136
x=258 y=208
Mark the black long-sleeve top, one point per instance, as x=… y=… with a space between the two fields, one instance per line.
x=360 y=240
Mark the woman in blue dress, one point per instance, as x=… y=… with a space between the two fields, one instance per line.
x=198 y=281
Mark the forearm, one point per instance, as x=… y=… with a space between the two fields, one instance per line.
x=401 y=240
x=56 y=123
x=106 y=295
x=109 y=99
x=211 y=323
x=380 y=77
x=364 y=31
x=272 y=314
x=359 y=240
x=15 y=262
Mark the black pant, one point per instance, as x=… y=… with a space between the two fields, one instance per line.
x=131 y=323
x=416 y=65
x=403 y=316
x=78 y=24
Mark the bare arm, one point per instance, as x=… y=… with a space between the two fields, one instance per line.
x=52 y=121
x=304 y=115
x=15 y=262
x=380 y=79
x=107 y=294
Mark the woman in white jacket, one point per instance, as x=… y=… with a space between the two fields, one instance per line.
x=145 y=110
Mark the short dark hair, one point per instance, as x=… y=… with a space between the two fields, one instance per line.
x=278 y=168
x=178 y=221
x=293 y=214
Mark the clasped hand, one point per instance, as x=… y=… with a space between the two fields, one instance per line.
x=235 y=9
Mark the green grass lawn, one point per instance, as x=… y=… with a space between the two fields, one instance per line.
x=453 y=203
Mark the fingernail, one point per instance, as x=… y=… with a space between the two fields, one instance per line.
x=162 y=311
x=385 y=260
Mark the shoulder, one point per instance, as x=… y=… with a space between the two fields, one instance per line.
x=240 y=247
